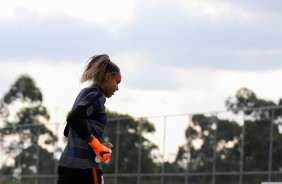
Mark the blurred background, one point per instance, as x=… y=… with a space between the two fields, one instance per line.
x=199 y=101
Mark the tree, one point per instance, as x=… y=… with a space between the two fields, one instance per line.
x=258 y=124
x=227 y=137
x=26 y=128
x=129 y=133
x=247 y=101
x=212 y=133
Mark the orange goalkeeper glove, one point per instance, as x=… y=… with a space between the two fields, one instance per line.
x=102 y=152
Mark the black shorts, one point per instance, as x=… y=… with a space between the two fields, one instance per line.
x=75 y=176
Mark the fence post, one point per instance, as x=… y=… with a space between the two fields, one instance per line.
x=139 y=151
x=1 y=152
x=214 y=119
x=116 y=151
x=19 y=153
x=270 y=147
x=242 y=150
x=37 y=154
x=188 y=154
x=163 y=159
x=54 y=155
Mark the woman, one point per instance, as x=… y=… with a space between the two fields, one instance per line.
x=86 y=124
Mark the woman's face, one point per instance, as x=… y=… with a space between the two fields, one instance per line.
x=110 y=84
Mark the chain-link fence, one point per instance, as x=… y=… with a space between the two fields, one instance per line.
x=214 y=147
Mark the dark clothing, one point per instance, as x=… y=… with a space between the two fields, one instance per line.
x=89 y=105
x=83 y=176
x=88 y=116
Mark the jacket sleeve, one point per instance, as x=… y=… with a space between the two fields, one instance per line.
x=77 y=117
x=76 y=120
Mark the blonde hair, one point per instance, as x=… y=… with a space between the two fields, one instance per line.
x=97 y=67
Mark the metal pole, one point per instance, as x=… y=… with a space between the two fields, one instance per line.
x=188 y=148
x=19 y=181
x=37 y=155
x=214 y=151
x=242 y=150
x=1 y=152
x=117 y=152
x=270 y=147
x=139 y=153
x=54 y=155
x=163 y=160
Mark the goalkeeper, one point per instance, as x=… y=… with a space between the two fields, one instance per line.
x=86 y=123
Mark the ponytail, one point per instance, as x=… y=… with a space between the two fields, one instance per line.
x=96 y=68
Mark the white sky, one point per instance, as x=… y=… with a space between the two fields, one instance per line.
x=176 y=56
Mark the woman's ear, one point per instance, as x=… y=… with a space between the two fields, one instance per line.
x=107 y=76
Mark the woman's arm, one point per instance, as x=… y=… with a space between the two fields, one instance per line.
x=76 y=120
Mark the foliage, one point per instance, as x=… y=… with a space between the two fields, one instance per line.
x=247 y=101
x=23 y=89
x=221 y=140
x=126 y=133
x=26 y=128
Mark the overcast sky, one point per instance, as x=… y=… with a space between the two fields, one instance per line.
x=176 y=56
